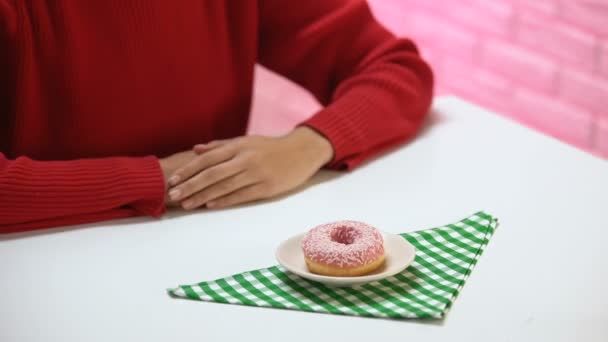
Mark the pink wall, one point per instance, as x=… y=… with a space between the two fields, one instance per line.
x=541 y=62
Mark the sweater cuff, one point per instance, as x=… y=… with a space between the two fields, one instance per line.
x=148 y=178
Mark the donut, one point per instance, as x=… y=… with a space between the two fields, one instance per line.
x=343 y=249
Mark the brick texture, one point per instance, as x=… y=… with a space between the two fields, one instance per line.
x=542 y=62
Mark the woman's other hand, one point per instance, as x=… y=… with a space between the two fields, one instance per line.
x=234 y=171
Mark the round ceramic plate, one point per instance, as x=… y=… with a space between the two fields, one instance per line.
x=399 y=254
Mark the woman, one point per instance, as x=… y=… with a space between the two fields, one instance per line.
x=103 y=101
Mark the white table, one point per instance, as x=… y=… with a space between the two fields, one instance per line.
x=544 y=275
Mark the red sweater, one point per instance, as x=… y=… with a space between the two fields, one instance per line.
x=93 y=92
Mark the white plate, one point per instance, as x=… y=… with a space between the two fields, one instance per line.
x=399 y=254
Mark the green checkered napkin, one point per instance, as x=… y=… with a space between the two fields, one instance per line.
x=445 y=256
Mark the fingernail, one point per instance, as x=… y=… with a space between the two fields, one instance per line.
x=187 y=204
x=174 y=180
x=174 y=194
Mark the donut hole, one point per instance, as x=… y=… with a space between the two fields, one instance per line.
x=344 y=235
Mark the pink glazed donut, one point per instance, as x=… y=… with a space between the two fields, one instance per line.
x=343 y=249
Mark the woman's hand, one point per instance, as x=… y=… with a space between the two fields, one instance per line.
x=244 y=169
x=173 y=162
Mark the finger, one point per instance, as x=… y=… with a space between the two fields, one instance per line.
x=221 y=188
x=205 y=178
x=247 y=194
x=200 y=163
x=202 y=148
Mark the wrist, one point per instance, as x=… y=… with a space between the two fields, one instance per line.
x=314 y=145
